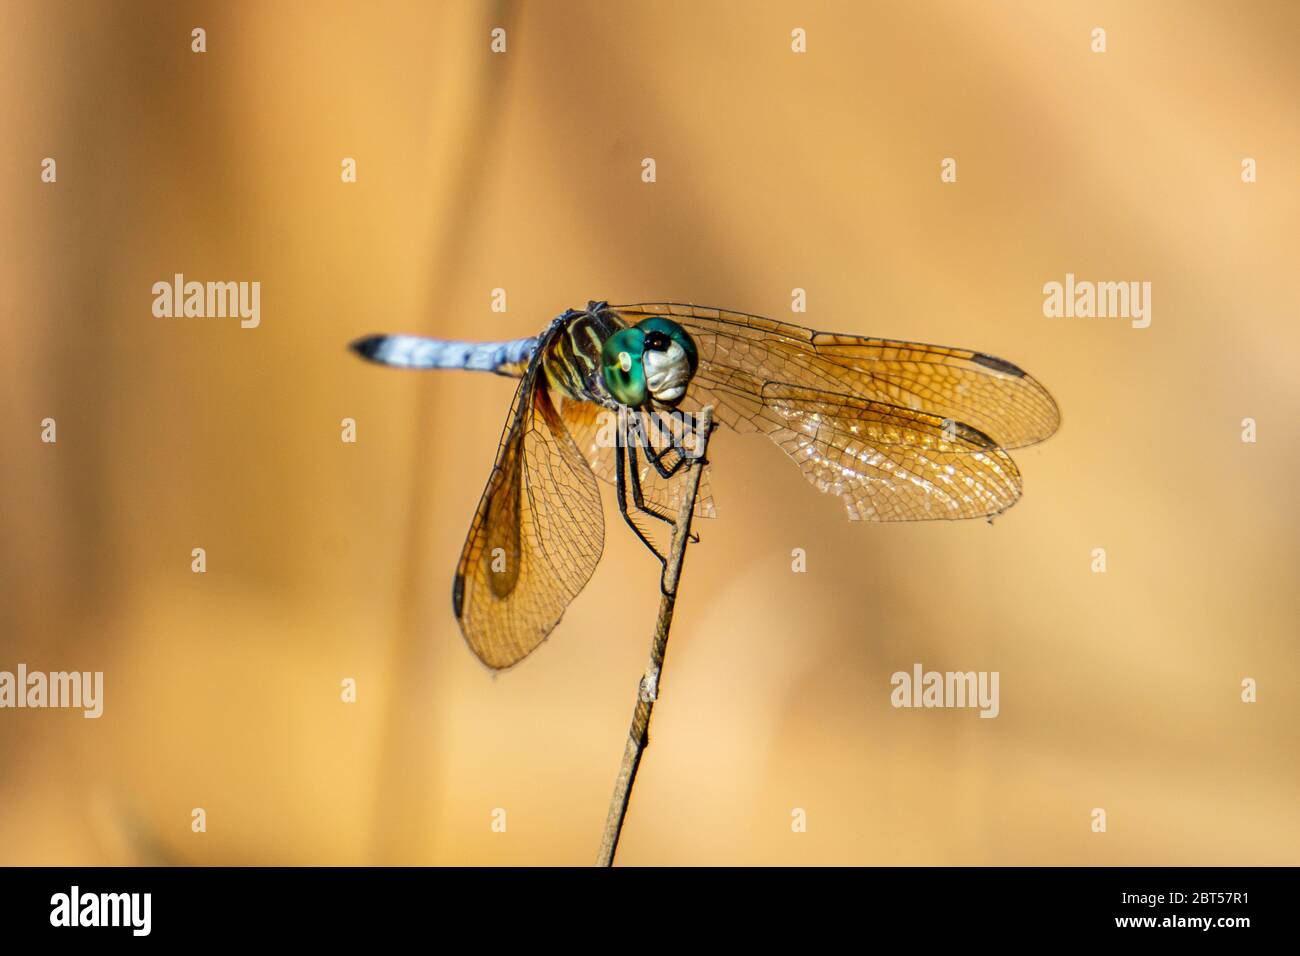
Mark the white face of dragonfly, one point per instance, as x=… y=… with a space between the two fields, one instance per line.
x=667 y=372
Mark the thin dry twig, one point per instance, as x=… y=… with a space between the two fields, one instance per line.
x=638 y=734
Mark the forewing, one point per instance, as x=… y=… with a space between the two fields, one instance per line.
x=536 y=536
x=743 y=353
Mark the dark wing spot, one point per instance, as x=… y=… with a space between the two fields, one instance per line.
x=973 y=435
x=458 y=595
x=997 y=364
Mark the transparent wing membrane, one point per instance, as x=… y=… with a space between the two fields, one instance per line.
x=749 y=351
x=901 y=431
x=536 y=537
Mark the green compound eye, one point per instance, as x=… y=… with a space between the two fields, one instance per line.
x=620 y=361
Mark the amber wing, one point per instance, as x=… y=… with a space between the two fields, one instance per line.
x=536 y=536
x=899 y=430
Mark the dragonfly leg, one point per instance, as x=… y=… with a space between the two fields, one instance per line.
x=634 y=483
x=621 y=488
x=637 y=435
x=641 y=438
x=656 y=457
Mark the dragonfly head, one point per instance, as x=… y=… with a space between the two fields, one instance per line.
x=654 y=359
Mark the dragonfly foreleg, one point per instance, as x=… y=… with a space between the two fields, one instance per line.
x=634 y=475
x=656 y=455
x=622 y=492
x=640 y=437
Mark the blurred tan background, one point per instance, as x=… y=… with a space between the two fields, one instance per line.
x=522 y=171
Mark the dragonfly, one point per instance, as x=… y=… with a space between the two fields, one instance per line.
x=899 y=431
